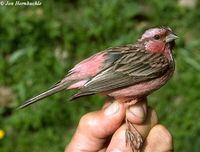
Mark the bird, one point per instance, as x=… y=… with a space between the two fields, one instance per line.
x=128 y=72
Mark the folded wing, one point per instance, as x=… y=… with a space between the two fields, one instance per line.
x=131 y=66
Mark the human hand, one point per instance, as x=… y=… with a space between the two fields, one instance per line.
x=104 y=130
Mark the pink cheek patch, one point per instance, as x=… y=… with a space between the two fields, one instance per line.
x=155 y=46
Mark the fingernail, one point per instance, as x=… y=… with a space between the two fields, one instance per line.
x=112 y=109
x=138 y=111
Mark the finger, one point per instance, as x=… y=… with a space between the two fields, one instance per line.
x=108 y=102
x=137 y=112
x=158 y=140
x=142 y=117
x=95 y=127
x=118 y=141
x=150 y=121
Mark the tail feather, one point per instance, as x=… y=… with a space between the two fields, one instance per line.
x=43 y=95
x=81 y=94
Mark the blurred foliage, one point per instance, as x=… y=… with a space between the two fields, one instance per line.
x=39 y=44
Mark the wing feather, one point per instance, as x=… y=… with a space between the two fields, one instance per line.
x=132 y=66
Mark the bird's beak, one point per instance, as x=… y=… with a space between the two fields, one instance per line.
x=171 y=37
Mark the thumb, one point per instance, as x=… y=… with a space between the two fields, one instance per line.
x=95 y=127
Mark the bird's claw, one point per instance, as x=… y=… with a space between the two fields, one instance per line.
x=133 y=138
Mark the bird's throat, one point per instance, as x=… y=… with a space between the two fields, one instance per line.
x=155 y=46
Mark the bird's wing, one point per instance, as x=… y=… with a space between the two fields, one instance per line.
x=123 y=68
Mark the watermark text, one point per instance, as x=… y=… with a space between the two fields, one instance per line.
x=20 y=3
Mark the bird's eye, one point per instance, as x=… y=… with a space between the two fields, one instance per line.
x=156 y=37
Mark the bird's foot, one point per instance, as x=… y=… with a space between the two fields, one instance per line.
x=133 y=137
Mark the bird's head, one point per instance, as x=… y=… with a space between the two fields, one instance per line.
x=157 y=39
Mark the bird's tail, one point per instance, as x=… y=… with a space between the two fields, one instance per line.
x=49 y=92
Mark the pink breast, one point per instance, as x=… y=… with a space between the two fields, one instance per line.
x=141 y=89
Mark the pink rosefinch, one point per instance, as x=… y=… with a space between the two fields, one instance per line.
x=125 y=73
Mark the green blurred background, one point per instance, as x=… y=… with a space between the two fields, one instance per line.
x=39 y=44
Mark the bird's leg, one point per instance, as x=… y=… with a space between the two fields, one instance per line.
x=133 y=137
